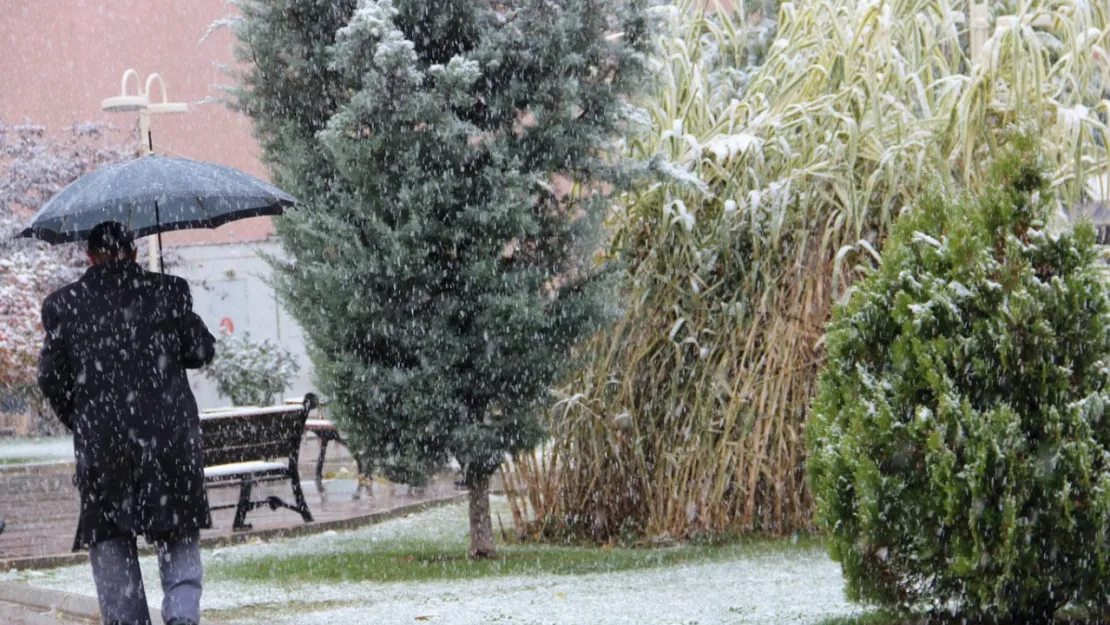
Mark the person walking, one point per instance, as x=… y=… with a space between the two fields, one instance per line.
x=113 y=367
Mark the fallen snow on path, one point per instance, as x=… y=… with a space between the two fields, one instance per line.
x=791 y=587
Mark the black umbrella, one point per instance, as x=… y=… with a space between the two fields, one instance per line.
x=155 y=194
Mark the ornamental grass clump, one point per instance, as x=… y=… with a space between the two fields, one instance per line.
x=786 y=149
x=959 y=443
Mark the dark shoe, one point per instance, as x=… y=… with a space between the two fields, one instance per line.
x=180 y=621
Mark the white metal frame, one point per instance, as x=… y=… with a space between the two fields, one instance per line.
x=140 y=101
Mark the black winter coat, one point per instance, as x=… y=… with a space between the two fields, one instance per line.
x=118 y=342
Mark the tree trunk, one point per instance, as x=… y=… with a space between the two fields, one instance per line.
x=481 y=524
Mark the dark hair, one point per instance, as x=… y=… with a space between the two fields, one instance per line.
x=111 y=237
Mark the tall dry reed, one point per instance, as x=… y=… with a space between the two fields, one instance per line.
x=689 y=415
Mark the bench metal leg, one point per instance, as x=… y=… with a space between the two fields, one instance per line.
x=364 y=481
x=320 y=461
x=326 y=437
x=244 y=506
x=298 y=496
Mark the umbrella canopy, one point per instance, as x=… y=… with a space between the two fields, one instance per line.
x=155 y=194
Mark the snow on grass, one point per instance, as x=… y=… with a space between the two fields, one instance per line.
x=774 y=587
x=794 y=588
x=25 y=450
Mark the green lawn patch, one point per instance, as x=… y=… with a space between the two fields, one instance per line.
x=273 y=611
x=880 y=617
x=431 y=561
x=883 y=617
x=19 y=461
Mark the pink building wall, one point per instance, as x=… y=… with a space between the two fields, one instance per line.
x=60 y=58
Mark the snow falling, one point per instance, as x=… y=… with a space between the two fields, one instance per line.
x=787 y=587
x=555 y=311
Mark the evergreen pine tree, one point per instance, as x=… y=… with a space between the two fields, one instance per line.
x=440 y=278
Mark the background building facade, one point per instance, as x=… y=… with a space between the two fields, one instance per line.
x=63 y=57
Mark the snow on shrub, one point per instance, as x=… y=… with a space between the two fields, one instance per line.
x=35 y=165
x=959 y=442
x=250 y=373
x=23 y=279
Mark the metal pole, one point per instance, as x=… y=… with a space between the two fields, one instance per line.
x=155 y=245
x=980 y=29
x=158 y=238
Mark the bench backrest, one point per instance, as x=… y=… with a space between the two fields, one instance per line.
x=248 y=434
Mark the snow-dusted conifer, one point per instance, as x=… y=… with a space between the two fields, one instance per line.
x=440 y=279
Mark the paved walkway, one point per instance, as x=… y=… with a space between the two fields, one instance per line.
x=25 y=605
x=14 y=614
x=40 y=506
x=22 y=604
x=39 y=503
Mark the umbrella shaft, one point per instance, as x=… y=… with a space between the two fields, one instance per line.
x=156 y=263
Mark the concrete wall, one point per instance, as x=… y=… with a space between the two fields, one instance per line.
x=229 y=283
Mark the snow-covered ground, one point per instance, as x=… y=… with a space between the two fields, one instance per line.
x=792 y=586
x=17 y=450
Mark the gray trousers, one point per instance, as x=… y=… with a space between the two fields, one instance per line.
x=119 y=582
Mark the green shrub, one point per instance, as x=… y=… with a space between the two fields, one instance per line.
x=248 y=372
x=959 y=444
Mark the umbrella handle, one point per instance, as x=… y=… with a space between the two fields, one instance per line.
x=158 y=224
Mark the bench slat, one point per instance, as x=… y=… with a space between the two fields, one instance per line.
x=253 y=436
x=243 y=468
x=245 y=453
x=235 y=413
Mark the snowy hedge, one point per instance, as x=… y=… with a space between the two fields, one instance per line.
x=959 y=444
x=23 y=278
x=249 y=372
x=35 y=165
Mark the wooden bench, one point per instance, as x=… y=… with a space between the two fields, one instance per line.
x=247 y=446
